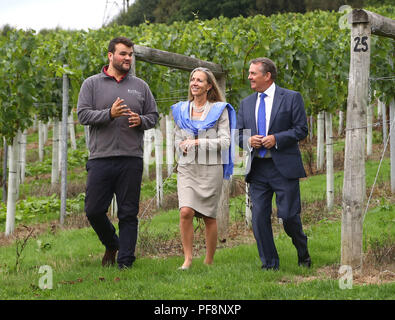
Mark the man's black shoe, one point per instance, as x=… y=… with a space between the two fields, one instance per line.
x=265 y=268
x=124 y=267
x=109 y=257
x=305 y=262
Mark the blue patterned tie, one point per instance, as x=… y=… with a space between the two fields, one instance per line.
x=262 y=122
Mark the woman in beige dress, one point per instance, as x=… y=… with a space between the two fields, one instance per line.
x=205 y=149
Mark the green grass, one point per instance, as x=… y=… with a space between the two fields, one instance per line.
x=314 y=187
x=75 y=255
x=163 y=225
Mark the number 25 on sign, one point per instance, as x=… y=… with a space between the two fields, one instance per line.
x=361 y=44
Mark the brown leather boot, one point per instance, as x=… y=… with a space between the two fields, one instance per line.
x=109 y=257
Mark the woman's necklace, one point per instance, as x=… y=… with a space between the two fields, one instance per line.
x=201 y=109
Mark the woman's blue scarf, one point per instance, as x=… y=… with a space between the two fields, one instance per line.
x=182 y=119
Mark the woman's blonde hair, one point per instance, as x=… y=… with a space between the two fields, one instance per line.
x=214 y=94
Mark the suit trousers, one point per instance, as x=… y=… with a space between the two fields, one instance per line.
x=120 y=176
x=265 y=180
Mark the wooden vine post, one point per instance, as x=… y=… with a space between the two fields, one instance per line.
x=63 y=146
x=392 y=143
x=223 y=207
x=363 y=24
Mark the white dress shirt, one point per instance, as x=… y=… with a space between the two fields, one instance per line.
x=268 y=104
x=268 y=108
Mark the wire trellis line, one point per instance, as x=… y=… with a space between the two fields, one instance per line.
x=378 y=169
x=376 y=124
x=153 y=198
x=383 y=78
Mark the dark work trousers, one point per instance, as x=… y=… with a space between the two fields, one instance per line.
x=266 y=180
x=120 y=176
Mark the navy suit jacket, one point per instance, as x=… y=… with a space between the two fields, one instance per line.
x=288 y=123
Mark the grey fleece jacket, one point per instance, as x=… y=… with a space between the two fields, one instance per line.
x=113 y=137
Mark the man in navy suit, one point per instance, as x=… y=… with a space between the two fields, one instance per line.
x=271 y=122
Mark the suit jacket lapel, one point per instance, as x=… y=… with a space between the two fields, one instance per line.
x=278 y=98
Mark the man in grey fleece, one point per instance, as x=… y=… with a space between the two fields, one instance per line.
x=118 y=107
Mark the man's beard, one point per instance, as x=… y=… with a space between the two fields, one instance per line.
x=120 y=68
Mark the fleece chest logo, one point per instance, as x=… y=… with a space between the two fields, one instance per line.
x=135 y=93
x=131 y=91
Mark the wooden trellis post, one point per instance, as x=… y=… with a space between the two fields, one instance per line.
x=223 y=208
x=392 y=143
x=63 y=187
x=363 y=24
x=174 y=60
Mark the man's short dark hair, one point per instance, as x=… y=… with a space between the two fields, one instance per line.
x=267 y=66
x=126 y=41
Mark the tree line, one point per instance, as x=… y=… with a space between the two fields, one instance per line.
x=169 y=11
